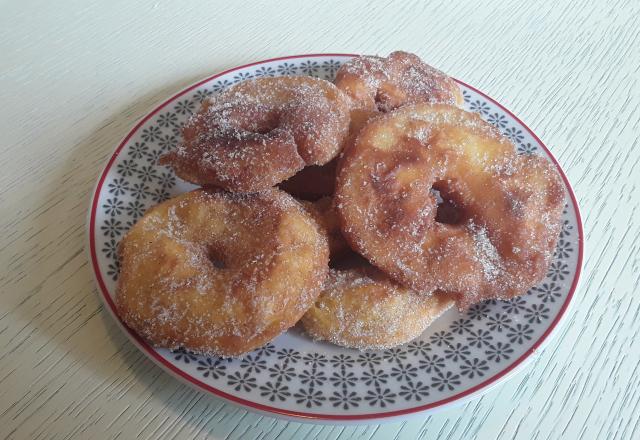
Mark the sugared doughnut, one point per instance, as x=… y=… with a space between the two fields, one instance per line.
x=220 y=273
x=384 y=84
x=509 y=206
x=261 y=132
x=362 y=308
x=324 y=213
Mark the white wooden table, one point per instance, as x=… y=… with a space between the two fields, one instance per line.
x=76 y=75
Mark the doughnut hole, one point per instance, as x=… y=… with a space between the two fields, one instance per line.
x=449 y=209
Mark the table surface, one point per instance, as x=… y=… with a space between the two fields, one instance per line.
x=76 y=75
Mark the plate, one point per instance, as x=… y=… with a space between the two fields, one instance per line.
x=460 y=356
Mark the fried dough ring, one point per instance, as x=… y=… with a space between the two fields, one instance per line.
x=509 y=205
x=384 y=84
x=261 y=132
x=174 y=292
x=363 y=308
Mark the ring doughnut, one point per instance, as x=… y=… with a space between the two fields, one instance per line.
x=384 y=84
x=261 y=132
x=509 y=206
x=220 y=273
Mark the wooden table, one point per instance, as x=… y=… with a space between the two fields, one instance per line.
x=75 y=76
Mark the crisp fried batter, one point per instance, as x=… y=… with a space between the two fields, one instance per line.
x=384 y=84
x=220 y=273
x=509 y=206
x=261 y=132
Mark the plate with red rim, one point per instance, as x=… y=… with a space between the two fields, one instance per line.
x=457 y=358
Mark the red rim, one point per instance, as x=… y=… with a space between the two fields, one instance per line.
x=193 y=381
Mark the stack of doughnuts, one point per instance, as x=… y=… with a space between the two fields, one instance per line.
x=362 y=208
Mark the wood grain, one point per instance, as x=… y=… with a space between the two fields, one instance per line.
x=75 y=76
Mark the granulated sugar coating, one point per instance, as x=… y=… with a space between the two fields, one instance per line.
x=261 y=132
x=220 y=273
x=509 y=205
x=384 y=84
x=362 y=308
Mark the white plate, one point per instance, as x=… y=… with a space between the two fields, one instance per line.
x=458 y=357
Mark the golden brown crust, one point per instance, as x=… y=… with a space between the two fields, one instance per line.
x=261 y=132
x=510 y=205
x=173 y=291
x=362 y=308
x=384 y=84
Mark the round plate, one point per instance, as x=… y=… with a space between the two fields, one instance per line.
x=458 y=357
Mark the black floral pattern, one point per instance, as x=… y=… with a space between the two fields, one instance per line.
x=519 y=333
x=118 y=186
x=380 y=397
x=446 y=380
x=287 y=69
x=331 y=67
x=445 y=360
x=167 y=119
x=479 y=338
x=473 y=367
x=527 y=149
x=202 y=94
x=110 y=248
x=151 y=134
x=455 y=352
x=213 y=368
x=498 y=322
x=184 y=107
x=441 y=338
x=309 y=397
x=376 y=377
x=497 y=119
x=309 y=67
x=536 y=313
x=478 y=312
x=514 y=134
x=432 y=363
x=244 y=381
x=138 y=150
x=345 y=399
x=127 y=168
x=112 y=228
x=548 y=292
x=499 y=352
x=265 y=71
x=479 y=106
x=184 y=356
x=140 y=190
x=275 y=391
x=514 y=306
x=461 y=326
x=242 y=76
x=563 y=249
x=135 y=209
x=113 y=207
x=253 y=364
